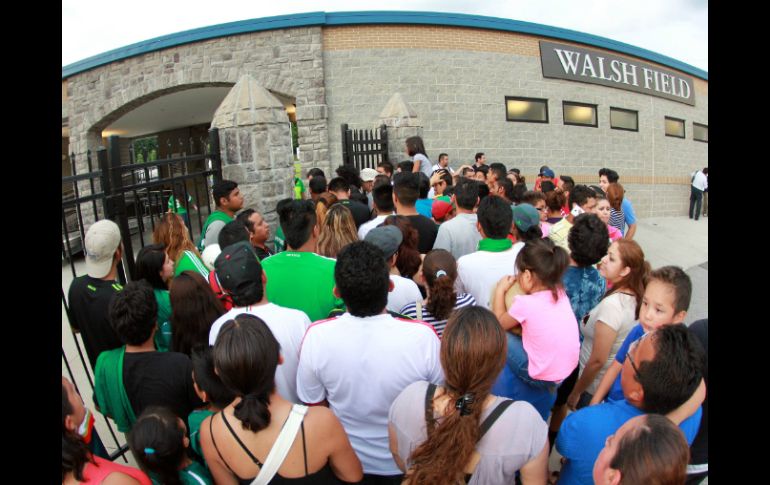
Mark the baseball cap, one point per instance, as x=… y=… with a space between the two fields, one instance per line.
x=237 y=268
x=387 y=238
x=547 y=172
x=440 y=209
x=525 y=216
x=101 y=242
x=368 y=174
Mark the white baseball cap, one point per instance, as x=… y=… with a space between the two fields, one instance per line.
x=368 y=174
x=102 y=240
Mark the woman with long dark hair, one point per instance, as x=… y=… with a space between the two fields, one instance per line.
x=155 y=267
x=194 y=308
x=472 y=436
x=408 y=260
x=415 y=148
x=237 y=441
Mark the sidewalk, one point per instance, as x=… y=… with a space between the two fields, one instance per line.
x=682 y=242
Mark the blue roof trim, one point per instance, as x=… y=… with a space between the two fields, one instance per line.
x=374 y=17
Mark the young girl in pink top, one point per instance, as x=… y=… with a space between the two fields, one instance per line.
x=543 y=336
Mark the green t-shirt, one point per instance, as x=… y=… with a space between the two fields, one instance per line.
x=175 y=206
x=303 y=281
x=279 y=241
x=190 y=261
x=194 y=420
x=163 y=335
x=192 y=474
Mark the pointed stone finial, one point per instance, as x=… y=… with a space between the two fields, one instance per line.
x=248 y=103
x=397 y=107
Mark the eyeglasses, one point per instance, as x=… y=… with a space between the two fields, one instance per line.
x=631 y=349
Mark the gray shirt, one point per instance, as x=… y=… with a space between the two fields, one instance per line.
x=212 y=233
x=459 y=235
x=518 y=435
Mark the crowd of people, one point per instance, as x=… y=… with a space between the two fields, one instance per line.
x=409 y=324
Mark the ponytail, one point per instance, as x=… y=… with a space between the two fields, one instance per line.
x=157 y=442
x=472 y=356
x=546 y=261
x=246 y=356
x=440 y=271
x=253 y=411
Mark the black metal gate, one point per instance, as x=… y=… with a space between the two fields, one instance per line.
x=364 y=148
x=131 y=195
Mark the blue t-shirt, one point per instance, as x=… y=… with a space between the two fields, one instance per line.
x=423 y=207
x=616 y=391
x=583 y=433
x=584 y=287
x=628 y=212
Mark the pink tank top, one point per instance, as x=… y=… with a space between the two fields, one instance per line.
x=94 y=474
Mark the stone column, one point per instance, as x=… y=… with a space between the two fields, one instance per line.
x=402 y=122
x=255 y=144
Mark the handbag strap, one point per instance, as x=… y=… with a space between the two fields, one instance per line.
x=281 y=446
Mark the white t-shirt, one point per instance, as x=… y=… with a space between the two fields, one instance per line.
x=360 y=365
x=368 y=226
x=404 y=292
x=479 y=272
x=617 y=311
x=288 y=327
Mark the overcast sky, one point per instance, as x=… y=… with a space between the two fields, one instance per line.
x=675 y=28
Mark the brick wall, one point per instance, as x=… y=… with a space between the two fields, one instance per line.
x=456 y=79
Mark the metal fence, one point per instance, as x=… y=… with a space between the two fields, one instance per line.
x=364 y=148
x=133 y=195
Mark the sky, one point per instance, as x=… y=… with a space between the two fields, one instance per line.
x=675 y=28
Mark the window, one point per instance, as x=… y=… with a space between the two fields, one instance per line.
x=674 y=127
x=700 y=132
x=580 y=114
x=624 y=119
x=530 y=110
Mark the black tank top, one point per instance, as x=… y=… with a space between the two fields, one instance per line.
x=323 y=476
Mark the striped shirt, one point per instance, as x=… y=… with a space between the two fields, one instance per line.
x=617 y=220
x=410 y=310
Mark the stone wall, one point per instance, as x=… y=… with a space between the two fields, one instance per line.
x=287 y=61
x=459 y=97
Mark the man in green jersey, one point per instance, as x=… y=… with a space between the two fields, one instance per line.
x=229 y=200
x=298 y=277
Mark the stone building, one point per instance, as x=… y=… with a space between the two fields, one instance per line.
x=525 y=94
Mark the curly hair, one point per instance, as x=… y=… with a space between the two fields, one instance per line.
x=172 y=233
x=337 y=231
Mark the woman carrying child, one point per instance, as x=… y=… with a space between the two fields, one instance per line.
x=607 y=325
